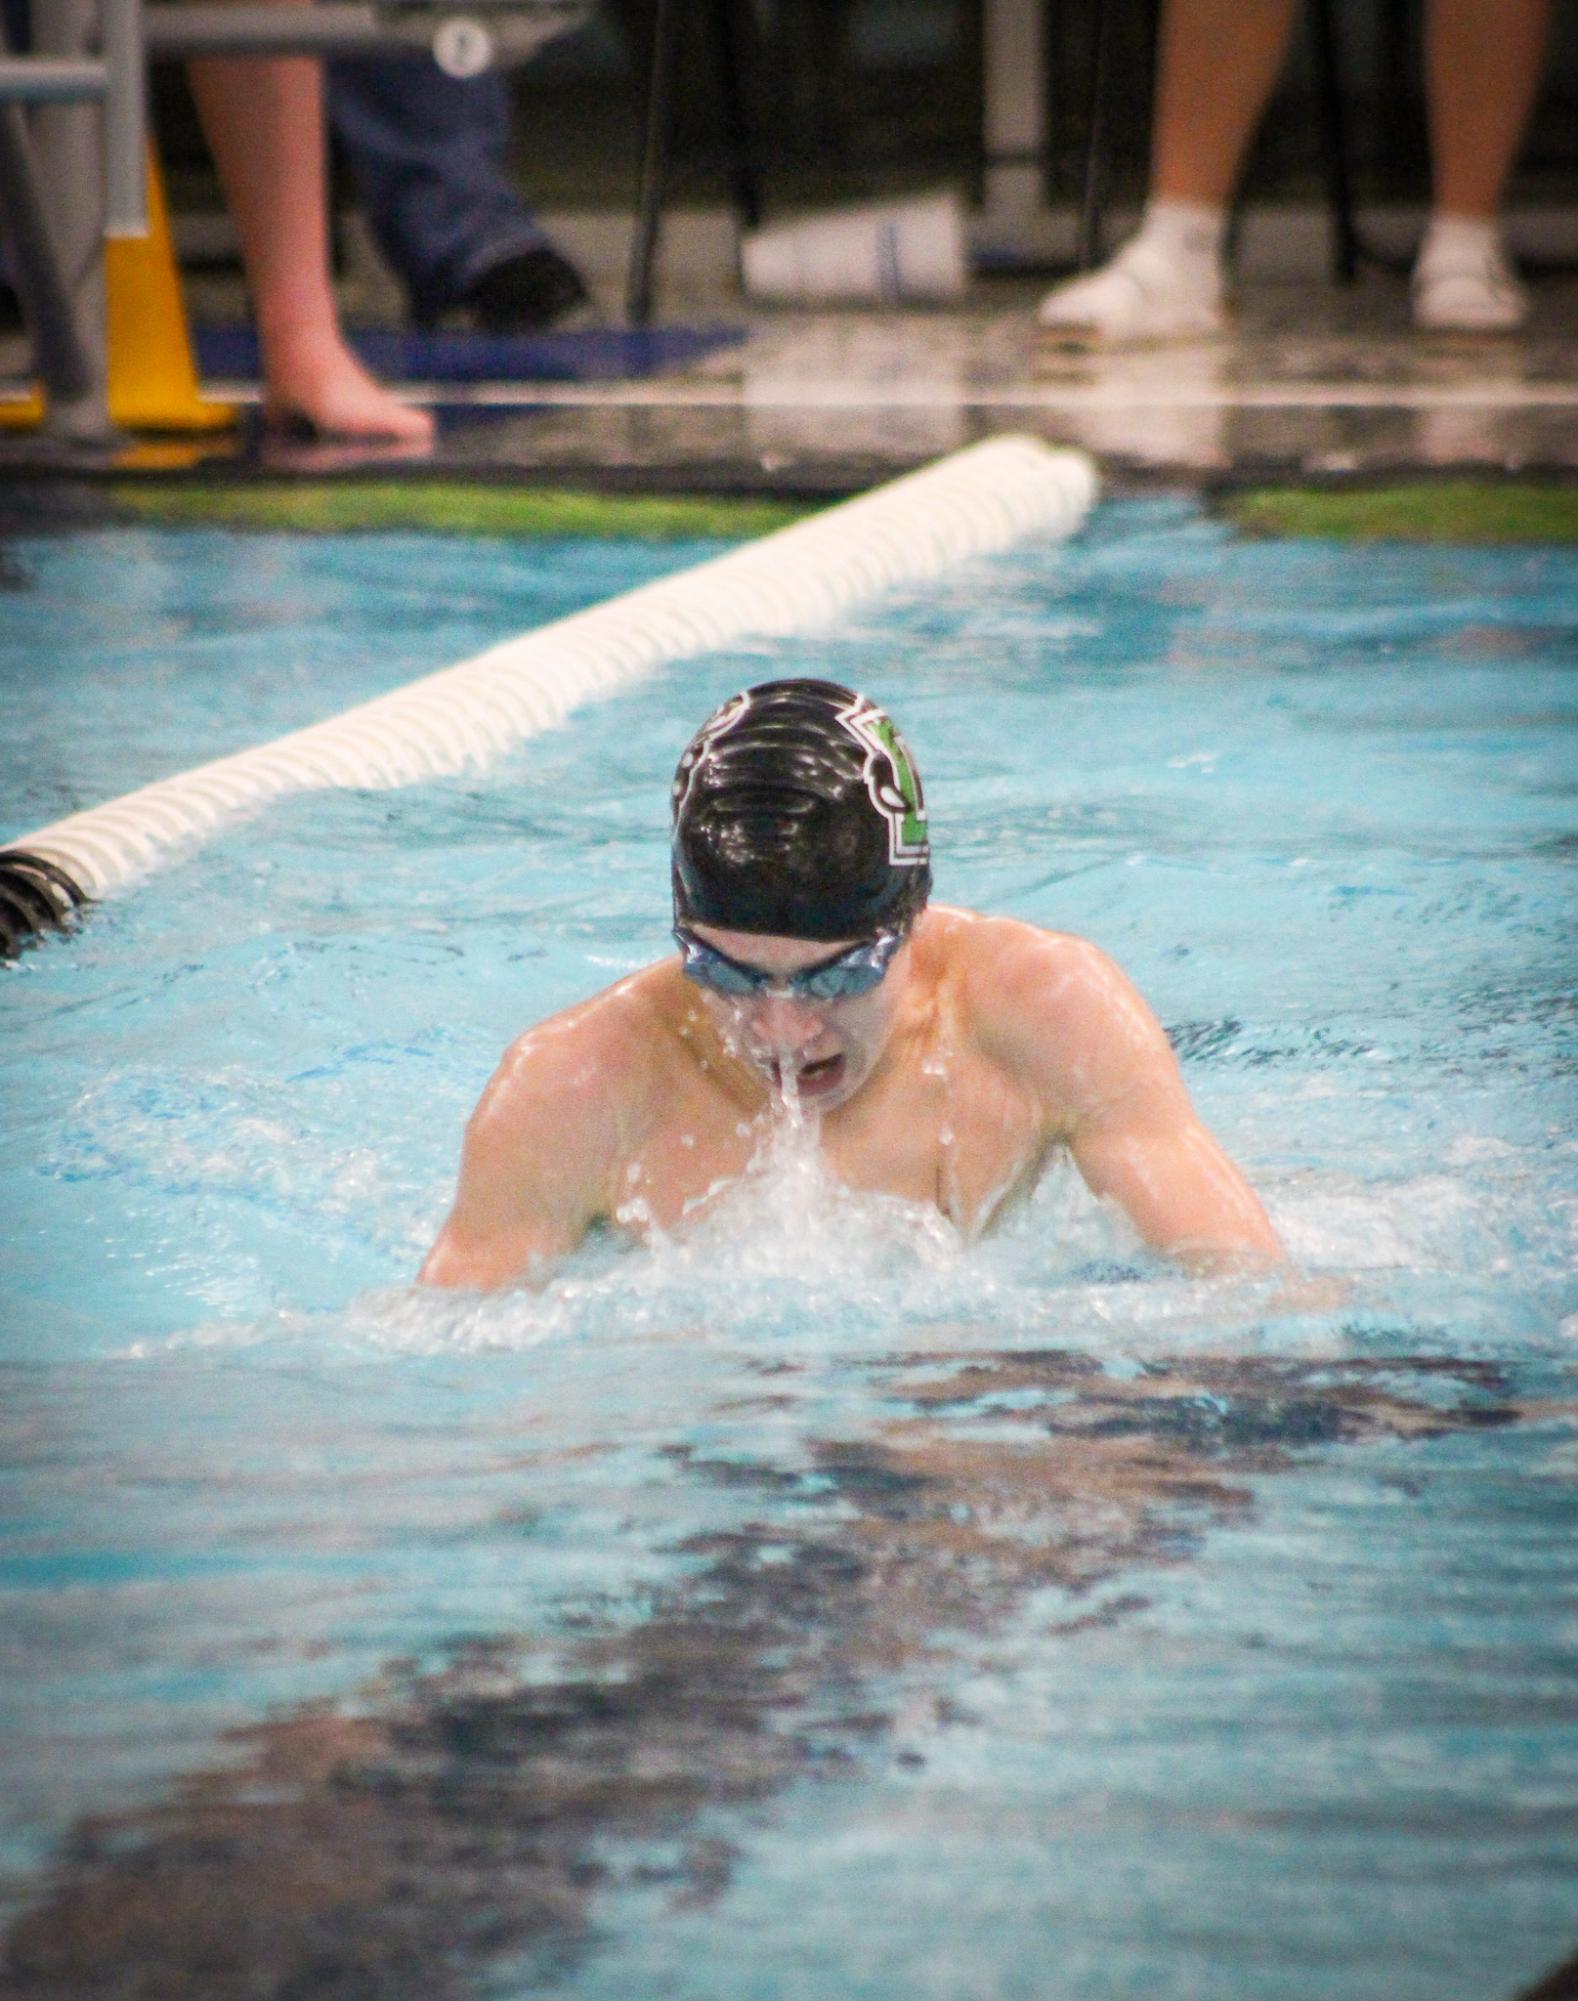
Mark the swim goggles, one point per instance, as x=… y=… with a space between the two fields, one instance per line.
x=850 y=974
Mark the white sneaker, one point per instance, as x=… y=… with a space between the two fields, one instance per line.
x=1142 y=294
x=1460 y=290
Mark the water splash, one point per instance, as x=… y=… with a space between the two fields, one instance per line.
x=1465 y=1252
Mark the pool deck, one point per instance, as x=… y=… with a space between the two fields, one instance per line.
x=1314 y=383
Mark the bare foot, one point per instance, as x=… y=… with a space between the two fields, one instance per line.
x=320 y=386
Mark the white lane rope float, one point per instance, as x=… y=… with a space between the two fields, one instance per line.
x=971 y=503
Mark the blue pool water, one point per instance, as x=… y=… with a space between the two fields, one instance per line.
x=817 y=1605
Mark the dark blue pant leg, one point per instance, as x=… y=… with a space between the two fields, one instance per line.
x=428 y=151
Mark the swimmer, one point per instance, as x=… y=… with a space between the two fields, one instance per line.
x=938 y=1055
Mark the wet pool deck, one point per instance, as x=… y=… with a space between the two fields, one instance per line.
x=1315 y=383
x=1310 y=384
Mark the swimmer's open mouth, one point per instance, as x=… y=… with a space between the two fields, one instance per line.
x=812 y=1080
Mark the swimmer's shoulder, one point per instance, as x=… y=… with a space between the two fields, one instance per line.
x=1039 y=1002
x=597 y=1055
x=545 y=1145
x=996 y=958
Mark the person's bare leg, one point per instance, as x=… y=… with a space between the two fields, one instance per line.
x=263 y=118
x=1482 y=68
x=1216 y=67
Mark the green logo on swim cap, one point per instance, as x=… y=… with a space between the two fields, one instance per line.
x=892 y=782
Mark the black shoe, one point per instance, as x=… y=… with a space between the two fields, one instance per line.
x=524 y=294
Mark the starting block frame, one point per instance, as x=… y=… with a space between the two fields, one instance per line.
x=80 y=190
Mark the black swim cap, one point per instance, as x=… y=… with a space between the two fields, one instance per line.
x=799 y=814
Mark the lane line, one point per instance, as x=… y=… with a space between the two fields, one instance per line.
x=973 y=502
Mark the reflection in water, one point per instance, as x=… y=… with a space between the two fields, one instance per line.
x=405 y=1844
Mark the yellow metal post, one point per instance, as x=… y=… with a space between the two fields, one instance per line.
x=152 y=371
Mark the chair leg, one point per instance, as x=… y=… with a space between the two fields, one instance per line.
x=738 y=138
x=1346 y=247
x=657 y=144
x=1094 y=197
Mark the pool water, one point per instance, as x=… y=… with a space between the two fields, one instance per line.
x=817 y=1604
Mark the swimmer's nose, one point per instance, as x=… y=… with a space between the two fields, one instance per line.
x=784 y=1023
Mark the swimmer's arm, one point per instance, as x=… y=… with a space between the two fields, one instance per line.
x=1117 y=1098
x=533 y=1168
x=1178 y=1187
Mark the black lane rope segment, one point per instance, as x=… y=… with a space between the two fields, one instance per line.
x=36 y=895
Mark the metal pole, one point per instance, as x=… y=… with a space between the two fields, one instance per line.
x=1014 y=112
x=237 y=29
x=734 y=103
x=1098 y=139
x=64 y=367
x=1334 y=136
x=42 y=80
x=654 y=162
x=125 y=120
x=68 y=153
